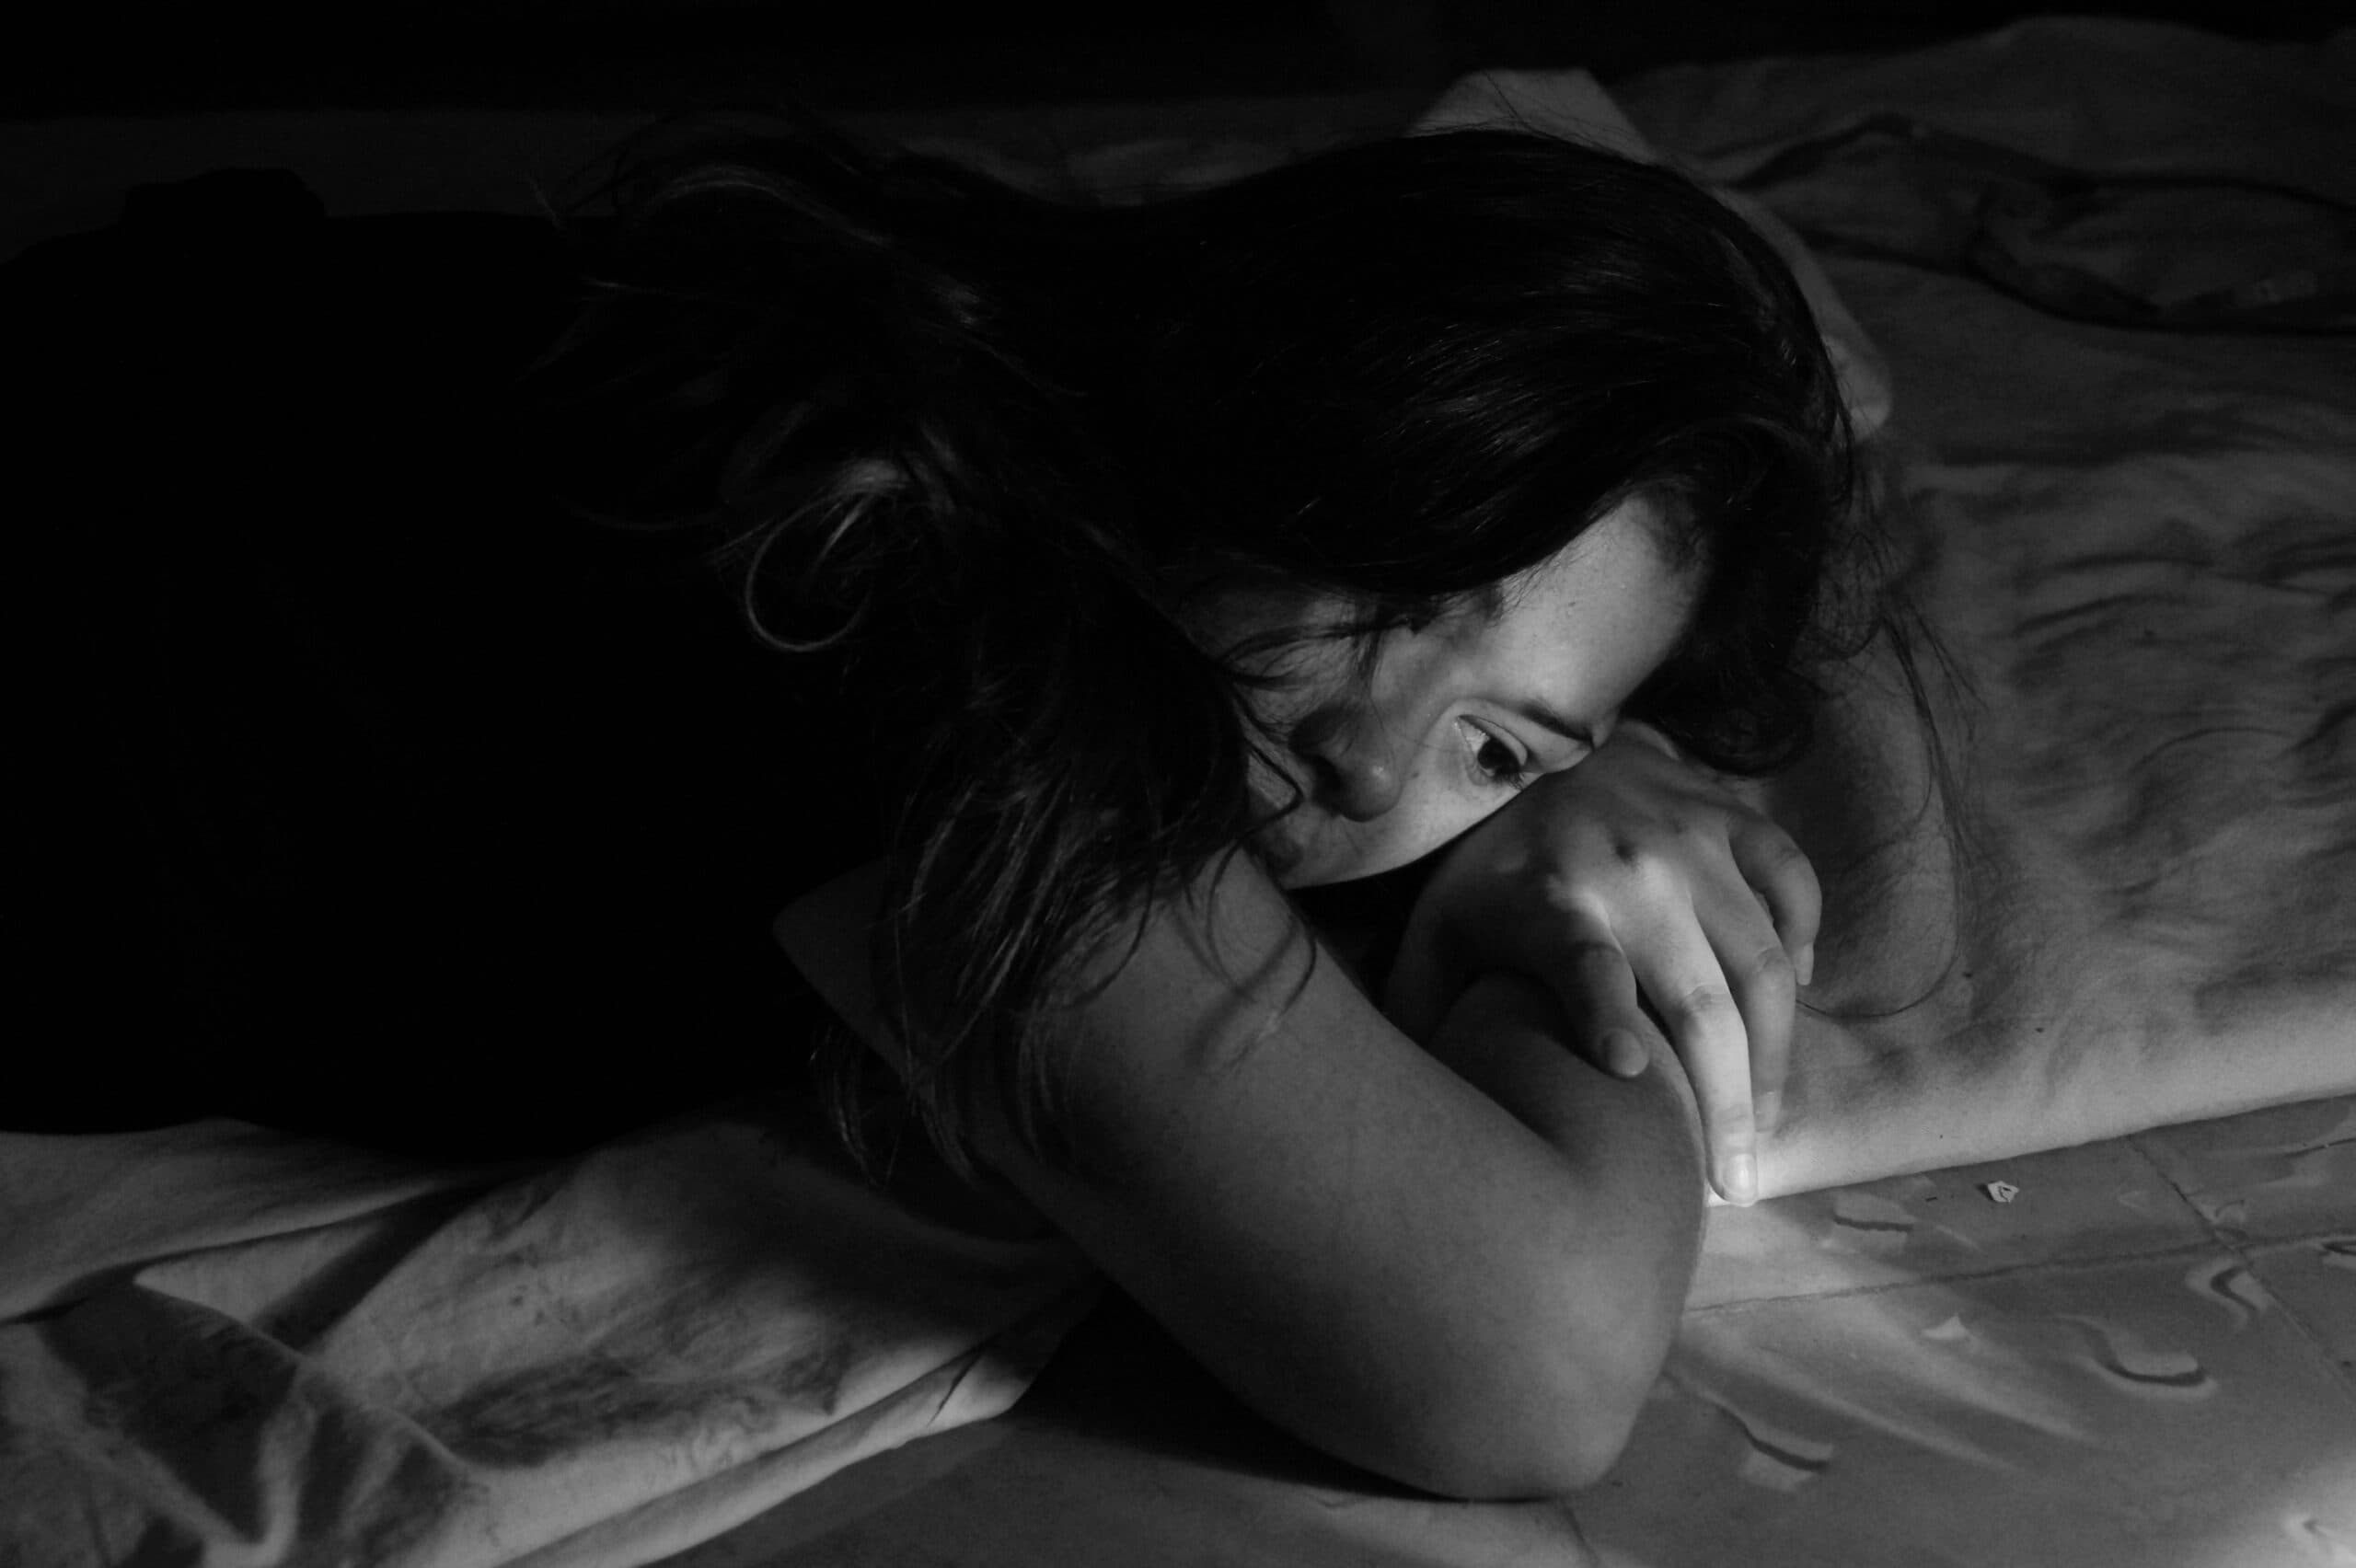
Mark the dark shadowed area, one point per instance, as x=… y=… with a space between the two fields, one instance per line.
x=911 y=55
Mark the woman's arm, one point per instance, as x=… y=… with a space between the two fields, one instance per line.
x=1458 y=1267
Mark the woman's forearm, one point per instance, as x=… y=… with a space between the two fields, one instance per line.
x=1461 y=1269
x=1505 y=1035
x=1632 y=1145
x=1462 y=1278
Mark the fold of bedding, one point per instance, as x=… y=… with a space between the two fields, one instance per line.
x=2138 y=903
x=226 y=1345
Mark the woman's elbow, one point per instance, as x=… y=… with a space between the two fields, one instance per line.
x=1549 y=1421
x=1564 y=1391
x=1567 y=1447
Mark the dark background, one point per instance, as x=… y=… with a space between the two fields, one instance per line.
x=851 y=55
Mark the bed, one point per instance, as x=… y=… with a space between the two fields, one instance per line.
x=2059 y=1264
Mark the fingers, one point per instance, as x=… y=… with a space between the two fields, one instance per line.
x=1761 y=977
x=1678 y=968
x=1776 y=870
x=1597 y=989
x=1766 y=969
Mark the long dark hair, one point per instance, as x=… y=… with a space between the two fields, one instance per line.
x=972 y=451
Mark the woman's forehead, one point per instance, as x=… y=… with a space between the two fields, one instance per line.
x=1636 y=546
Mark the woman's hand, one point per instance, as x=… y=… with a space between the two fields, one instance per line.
x=1633 y=874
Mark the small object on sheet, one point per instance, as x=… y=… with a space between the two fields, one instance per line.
x=1999 y=1192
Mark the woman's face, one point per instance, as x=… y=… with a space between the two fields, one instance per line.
x=1460 y=714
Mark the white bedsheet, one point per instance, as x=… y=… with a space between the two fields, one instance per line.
x=227 y=1345
x=2140 y=549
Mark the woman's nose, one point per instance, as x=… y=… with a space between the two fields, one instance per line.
x=1356 y=766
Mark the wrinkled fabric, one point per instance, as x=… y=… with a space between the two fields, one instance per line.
x=2138 y=551
x=227 y=1345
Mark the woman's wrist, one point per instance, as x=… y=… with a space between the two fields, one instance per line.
x=1507 y=1036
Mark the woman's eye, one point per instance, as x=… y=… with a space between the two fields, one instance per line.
x=1496 y=760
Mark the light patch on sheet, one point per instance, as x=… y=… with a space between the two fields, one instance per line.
x=1942 y=1392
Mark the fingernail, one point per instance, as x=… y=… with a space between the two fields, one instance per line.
x=1624 y=1054
x=1742 y=1179
x=1805 y=966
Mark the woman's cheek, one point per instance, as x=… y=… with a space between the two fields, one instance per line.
x=1334 y=850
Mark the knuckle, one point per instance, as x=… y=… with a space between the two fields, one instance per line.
x=1594 y=953
x=1703 y=1002
x=1698 y=828
x=1653 y=876
x=1790 y=863
x=1787 y=859
x=1769 y=965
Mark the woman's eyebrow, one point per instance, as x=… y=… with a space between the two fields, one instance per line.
x=1546 y=715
